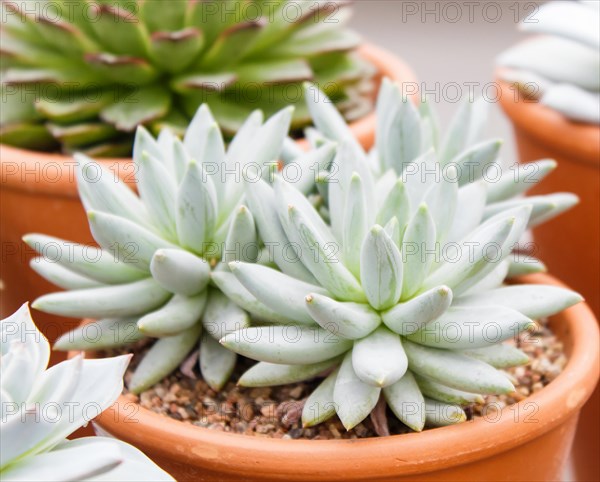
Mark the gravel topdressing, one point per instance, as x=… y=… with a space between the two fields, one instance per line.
x=276 y=411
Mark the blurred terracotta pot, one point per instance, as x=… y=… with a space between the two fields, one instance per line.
x=569 y=244
x=38 y=194
x=527 y=441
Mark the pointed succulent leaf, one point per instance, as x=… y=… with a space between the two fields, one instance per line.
x=499 y=356
x=406 y=401
x=381 y=269
x=355 y=225
x=396 y=204
x=164 y=356
x=241 y=243
x=456 y=370
x=216 y=362
x=523 y=265
x=417 y=250
x=348 y=319
x=237 y=293
x=316 y=254
x=472 y=163
x=441 y=199
x=179 y=271
x=441 y=393
x=177 y=315
x=265 y=374
x=282 y=293
x=379 y=359
x=440 y=414
x=289 y=344
x=409 y=317
x=517 y=181
x=465 y=129
x=61 y=276
x=319 y=406
x=533 y=301
x=104 y=333
x=459 y=328
x=470 y=206
x=105 y=302
x=87 y=261
x=354 y=400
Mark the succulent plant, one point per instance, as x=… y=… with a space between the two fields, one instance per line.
x=158 y=269
x=82 y=75
x=559 y=67
x=407 y=298
x=41 y=407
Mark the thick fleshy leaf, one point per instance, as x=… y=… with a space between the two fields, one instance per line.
x=418 y=248
x=281 y=293
x=519 y=180
x=355 y=225
x=265 y=374
x=144 y=105
x=216 y=362
x=61 y=276
x=175 y=316
x=455 y=370
x=347 y=319
x=460 y=328
x=241 y=243
x=473 y=162
x=440 y=414
x=470 y=206
x=409 y=317
x=104 y=333
x=534 y=301
x=237 y=293
x=179 y=271
x=406 y=401
x=319 y=406
x=522 y=265
x=379 y=358
x=165 y=355
x=222 y=316
x=396 y=204
x=441 y=199
x=317 y=256
x=290 y=344
x=105 y=302
x=499 y=356
x=196 y=213
x=354 y=400
x=442 y=393
x=465 y=129
x=381 y=269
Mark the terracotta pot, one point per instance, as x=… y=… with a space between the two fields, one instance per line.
x=38 y=194
x=527 y=441
x=568 y=244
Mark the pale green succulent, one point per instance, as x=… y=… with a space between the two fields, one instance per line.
x=40 y=407
x=157 y=271
x=81 y=75
x=560 y=67
x=406 y=297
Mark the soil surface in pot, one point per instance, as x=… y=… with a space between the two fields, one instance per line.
x=276 y=411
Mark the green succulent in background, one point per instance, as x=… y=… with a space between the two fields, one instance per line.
x=407 y=299
x=35 y=403
x=80 y=76
x=158 y=270
x=561 y=66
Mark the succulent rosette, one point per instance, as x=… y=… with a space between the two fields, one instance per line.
x=41 y=407
x=81 y=75
x=408 y=257
x=158 y=271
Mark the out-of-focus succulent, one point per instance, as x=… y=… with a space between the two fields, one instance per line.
x=81 y=75
x=561 y=67
x=157 y=271
x=41 y=407
x=407 y=300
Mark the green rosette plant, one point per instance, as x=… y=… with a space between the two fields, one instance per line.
x=408 y=261
x=159 y=270
x=82 y=75
x=41 y=407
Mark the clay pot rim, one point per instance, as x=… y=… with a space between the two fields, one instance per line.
x=433 y=449
x=550 y=126
x=387 y=64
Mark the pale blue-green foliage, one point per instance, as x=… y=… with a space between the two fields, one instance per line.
x=41 y=407
x=404 y=292
x=561 y=67
x=158 y=271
